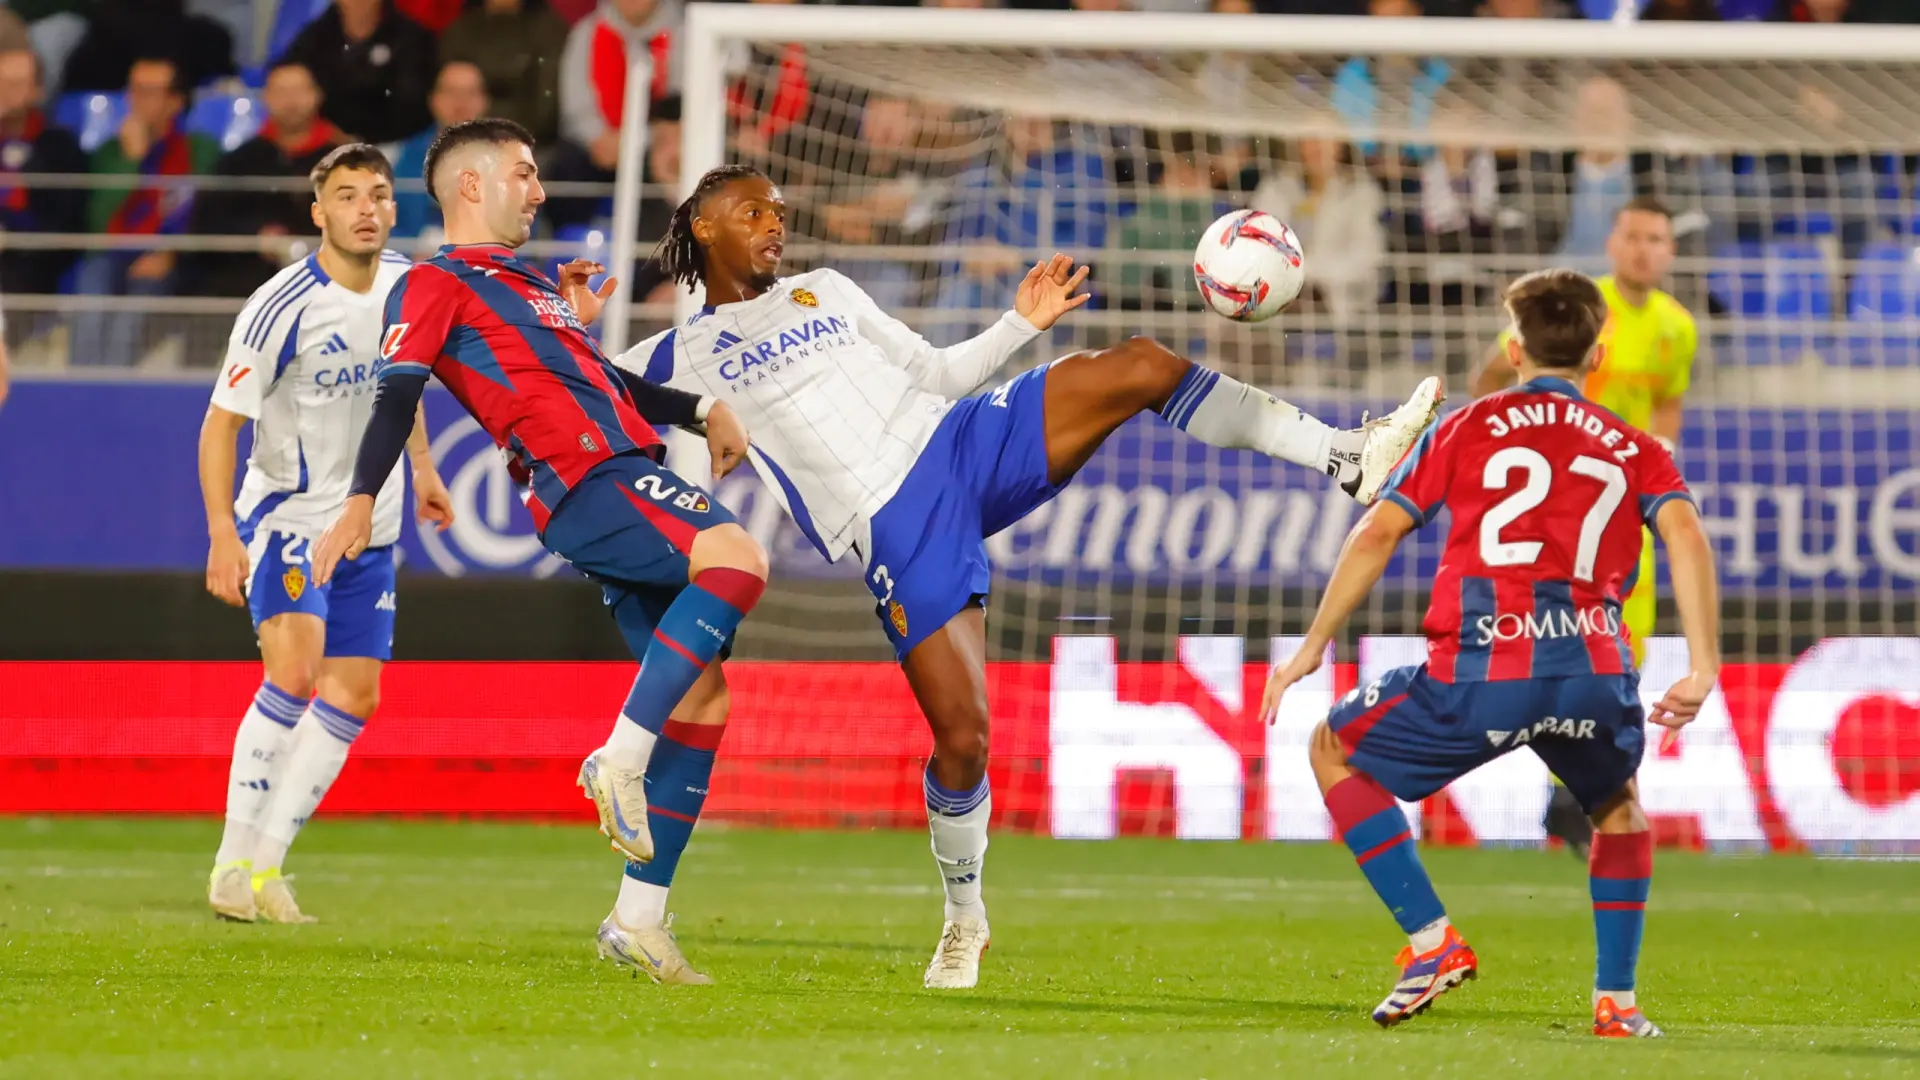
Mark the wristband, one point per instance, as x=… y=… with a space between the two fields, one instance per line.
x=704 y=409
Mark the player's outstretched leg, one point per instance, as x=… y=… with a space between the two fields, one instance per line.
x=948 y=675
x=291 y=645
x=638 y=934
x=1090 y=394
x=1368 y=819
x=727 y=573
x=1620 y=878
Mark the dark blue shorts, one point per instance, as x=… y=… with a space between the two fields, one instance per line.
x=358 y=606
x=985 y=469
x=1416 y=734
x=629 y=525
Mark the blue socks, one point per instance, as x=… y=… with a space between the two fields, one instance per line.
x=678 y=775
x=1376 y=832
x=691 y=633
x=1620 y=877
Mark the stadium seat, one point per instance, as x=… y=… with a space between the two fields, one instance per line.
x=93 y=117
x=1746 y=10
x=1605 y=9
x=291 y=17
x=1786 y=284
x=229 y=119
x=1883 y=305
x=1811 y=223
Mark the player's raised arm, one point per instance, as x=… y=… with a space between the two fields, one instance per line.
x=1049 y=291
x=1696 y=592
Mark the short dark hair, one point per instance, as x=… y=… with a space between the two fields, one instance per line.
x=665 y=111
x=358 y=155
x=177 y=79
x=493 y=130
x=285 y=62
x=1557 y=315
x=1644 y=204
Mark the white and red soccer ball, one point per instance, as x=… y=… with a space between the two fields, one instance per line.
x=1249 y=266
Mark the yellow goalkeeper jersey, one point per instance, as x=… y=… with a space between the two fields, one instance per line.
x=1647 y=354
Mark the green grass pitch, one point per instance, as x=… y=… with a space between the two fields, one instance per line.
x=466 y=950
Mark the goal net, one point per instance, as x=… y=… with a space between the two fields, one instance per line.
x=931 y=155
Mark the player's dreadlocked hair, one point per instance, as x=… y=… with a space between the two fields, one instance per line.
x=678 y=253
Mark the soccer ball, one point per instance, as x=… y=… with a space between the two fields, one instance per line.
x=1249 y=266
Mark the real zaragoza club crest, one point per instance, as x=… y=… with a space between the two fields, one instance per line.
x=804 y=298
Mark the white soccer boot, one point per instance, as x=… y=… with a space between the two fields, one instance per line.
x=621 y=798
x=956 y=962
x=1389 y=438
x=274 y=897
x=230 y=891
x=651 y=949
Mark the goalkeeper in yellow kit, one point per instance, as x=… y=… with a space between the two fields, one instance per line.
x=1646 y=361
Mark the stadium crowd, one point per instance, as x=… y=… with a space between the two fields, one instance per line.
x=178 y=89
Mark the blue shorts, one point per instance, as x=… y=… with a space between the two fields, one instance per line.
x=629 y=524
x=357 y=606
x=985 y=469
x=1416 y=734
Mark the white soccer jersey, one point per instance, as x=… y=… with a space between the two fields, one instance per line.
x=838 y=397
x=300 y=366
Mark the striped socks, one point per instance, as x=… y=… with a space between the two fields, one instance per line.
x=1376 y=832
x=264 y=735
x=1223 y=411
x=958 y=823
x=319 y=750
x=699 y=622
x=1620 y=876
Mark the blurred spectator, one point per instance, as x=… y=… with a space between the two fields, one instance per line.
x=1335 y=209
x=13 y=31
x=1166 y=220
x=1040 y=195
x=1682 y=11
x=658 y=198
x=572 y=11
x=291 y=142
x=771 y=94
x=29 y=145
x=1854 y=11
x=1368 y=92
x=375 y=66
x=55 y=28
x=593 y=74
x=1523 y=9
x=895 y=205
x=1602 y=172
x=459 y=95
x=516 y=45
x=434 y=15
x=120 y=32
x=152 y=143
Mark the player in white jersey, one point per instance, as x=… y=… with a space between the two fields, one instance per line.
x=300 y=368
x=879 y=444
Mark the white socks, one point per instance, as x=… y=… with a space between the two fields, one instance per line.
x=960 y=850
x=630 y=746
x=640 y=905
x=258 y=747
x=1225 y=412
x=1430 y=937
x=1622 y=998
x=320 y=744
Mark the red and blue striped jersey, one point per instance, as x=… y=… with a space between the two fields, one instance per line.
x=1548 y=492
x=499 y=335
